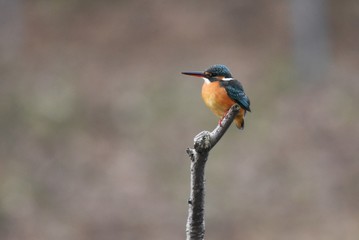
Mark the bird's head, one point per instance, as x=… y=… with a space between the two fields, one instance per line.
x=214 y=73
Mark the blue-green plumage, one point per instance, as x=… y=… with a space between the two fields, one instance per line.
x=218 y=70
x=233 y=87
x=235 y=91
x=220 y=91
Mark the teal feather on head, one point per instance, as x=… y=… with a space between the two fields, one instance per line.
x=219 y=70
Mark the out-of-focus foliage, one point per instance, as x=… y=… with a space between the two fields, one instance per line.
x=95 y=118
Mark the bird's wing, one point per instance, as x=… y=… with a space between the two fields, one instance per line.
x=235 y=91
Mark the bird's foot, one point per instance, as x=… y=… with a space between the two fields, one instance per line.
x=221 y=119
x=220 y=122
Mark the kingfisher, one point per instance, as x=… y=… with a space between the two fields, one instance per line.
x=220 y=91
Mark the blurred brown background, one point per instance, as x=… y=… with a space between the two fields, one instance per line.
x=95 y=118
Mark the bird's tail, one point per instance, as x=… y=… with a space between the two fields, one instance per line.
x=239 y=121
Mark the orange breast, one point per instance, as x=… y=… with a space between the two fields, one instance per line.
x=216 y=98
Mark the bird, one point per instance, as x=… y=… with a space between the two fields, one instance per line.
x=220 y=91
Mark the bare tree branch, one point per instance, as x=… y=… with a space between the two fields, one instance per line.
x=203 y=143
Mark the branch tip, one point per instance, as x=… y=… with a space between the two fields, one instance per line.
x=190 y=152
x=202 y=142
x=236 y=107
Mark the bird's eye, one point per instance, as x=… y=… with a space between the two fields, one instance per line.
x=208 y=74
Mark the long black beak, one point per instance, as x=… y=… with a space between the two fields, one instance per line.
x=194 y=74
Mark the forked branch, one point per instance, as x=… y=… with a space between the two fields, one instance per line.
x=203 y=143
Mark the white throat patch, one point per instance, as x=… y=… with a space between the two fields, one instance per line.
x=206 y=80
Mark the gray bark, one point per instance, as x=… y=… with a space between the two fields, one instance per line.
x=203 y=143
